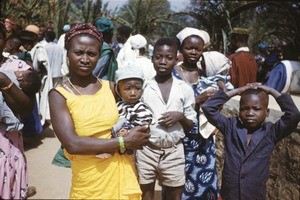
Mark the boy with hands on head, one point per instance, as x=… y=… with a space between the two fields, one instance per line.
x=249 y=140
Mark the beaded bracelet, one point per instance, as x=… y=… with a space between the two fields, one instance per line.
x=121 y=144
x=7 y=87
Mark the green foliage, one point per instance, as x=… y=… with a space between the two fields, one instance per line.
x=270 y=22
x=146 y=16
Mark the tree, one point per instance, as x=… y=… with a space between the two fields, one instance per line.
x=145 y=16
x=268 y=21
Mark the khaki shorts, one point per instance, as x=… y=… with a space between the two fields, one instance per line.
x=166 y=165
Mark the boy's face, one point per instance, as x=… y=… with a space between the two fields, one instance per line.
x=164 y=59
x=253 y=110
x=130 y=90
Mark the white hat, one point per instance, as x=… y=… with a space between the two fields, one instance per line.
x=138 y=41
x=188 y=31
x=216 y=63
x=129 y=71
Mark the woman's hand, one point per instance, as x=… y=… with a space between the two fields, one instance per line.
x=137 y=137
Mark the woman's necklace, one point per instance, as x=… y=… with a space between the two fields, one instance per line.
x=73 y=86
x=181 y=67
x=188 y=69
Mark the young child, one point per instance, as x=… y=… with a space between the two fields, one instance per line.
x=132 y=111
x=249 y=140
x=172 y=104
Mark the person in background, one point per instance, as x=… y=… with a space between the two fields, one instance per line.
x=249 y=139
x=32 y=123
x=61 y=42
x=10 y=26
x=12 y=46
x=122 y=34
x=83 y=111
x=172 y=104
x=123 y=37
x=13 y=166
x=55 y=57
x=285 y=76
x=139 y=59
x=243 y=70
x=107 y=63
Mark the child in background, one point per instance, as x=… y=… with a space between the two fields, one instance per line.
x=172 y=104
x=132 y=111
x=249 y=140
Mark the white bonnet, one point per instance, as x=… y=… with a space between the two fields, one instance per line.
x=129 y=71
x=138 y=41
x=188 y=31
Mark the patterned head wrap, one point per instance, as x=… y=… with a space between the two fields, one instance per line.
x=82 y=28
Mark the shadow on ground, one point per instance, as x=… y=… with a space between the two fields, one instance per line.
x=31 y=142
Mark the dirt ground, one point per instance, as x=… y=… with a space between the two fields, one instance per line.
x=50 y=181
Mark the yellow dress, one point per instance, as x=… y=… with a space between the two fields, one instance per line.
x=92 y=177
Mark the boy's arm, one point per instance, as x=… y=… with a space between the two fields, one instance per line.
x=291 y=117
x=15 y=98
x=212 y=107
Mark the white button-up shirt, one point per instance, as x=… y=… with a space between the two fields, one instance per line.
x=181 y=99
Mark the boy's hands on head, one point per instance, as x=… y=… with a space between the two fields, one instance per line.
x=269 y=90
x=240 y=90
x=169 y=118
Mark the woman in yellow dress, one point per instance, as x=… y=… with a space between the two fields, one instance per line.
x=83 y=111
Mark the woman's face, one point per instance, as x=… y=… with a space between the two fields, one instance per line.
x=83 y=54
x=192 y=48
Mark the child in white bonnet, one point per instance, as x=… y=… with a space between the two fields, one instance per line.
x=132 y=111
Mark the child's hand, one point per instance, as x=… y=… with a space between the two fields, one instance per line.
x=170 y=118
x=104 y=155
x=123 y=132
x=203 y=96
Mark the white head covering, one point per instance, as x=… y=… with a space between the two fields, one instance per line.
x=188 y=31
x=216 y=63
x=129 y=71
x=138 y=41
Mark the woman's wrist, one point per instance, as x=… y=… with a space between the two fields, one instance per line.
x=121 y=144
x=7 y=87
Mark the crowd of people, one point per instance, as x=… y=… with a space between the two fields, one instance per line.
x=127 y=117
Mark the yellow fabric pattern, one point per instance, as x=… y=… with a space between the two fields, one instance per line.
x=92 y=177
